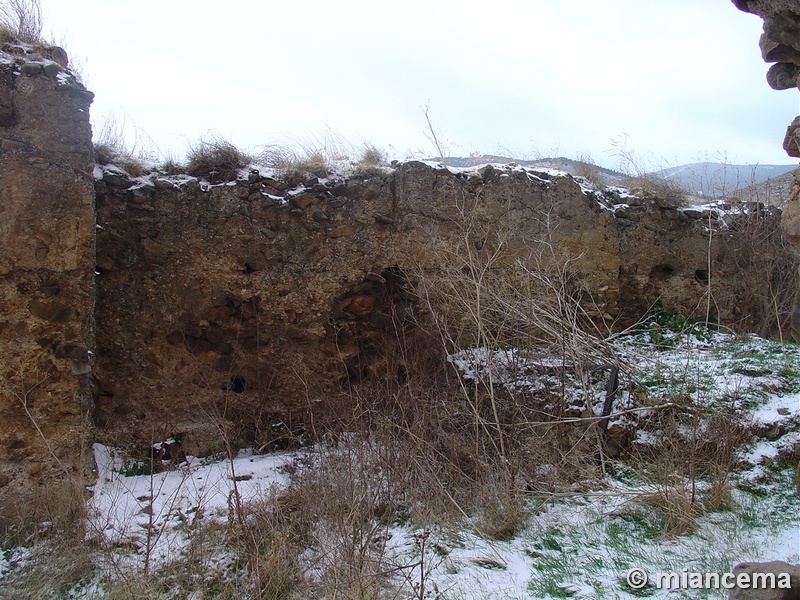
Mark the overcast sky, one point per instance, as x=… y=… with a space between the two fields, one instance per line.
x=677 y=81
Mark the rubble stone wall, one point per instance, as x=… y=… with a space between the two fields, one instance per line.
x=47 y=259
x=259 y=302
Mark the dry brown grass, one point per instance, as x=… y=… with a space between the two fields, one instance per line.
x=119 y=142
x=216 y=160
x=587 y=168
x=371 y=162
x=297 y=165
x=106 y=154
x=171 y=166
x=55 y=507
x=642 y=179
x=689 y=474
x=48 y=518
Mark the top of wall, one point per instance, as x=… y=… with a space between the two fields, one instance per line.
x=44 y=106
x=267 y=184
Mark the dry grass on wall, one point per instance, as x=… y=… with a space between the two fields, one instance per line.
x=216 y=159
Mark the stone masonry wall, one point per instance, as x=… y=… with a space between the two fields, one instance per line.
x=47 y=258
x=251 y=303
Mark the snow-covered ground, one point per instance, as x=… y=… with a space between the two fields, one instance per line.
x=580 y=543
x=151 y=512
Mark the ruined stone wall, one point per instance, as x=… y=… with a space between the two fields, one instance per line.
x=47 y=258
x=244 y=304
x=250 y=303
x=780 y=45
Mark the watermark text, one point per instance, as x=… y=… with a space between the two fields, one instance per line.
x=638 y=578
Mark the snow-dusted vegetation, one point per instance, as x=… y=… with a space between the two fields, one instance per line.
x=705 y=481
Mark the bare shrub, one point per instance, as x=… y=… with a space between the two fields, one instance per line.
x=21 y=20
x=690 y=471
x=216 y=160
x=471 y=450
x=435 y=137
x=754 y=240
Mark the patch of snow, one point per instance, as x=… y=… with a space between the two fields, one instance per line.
x=620 y=192
x=140 y=183
x=152 y=511
x=114 y=170
x=433 y=164
x=762 y=451
x=551 y=172
x=647 y=438
x=176 y=180
x=777 y=408
x=534 y=173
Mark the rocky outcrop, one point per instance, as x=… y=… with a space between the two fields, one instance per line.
x=46 y=267
x=257 y=302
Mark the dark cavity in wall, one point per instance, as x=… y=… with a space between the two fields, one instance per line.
x=661 y=271
x=701 y=275
x=237 y=385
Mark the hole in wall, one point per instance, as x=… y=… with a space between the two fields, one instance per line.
x=662 y=271
x=237 y=385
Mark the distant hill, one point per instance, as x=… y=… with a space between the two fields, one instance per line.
x=719 y=179
x=568 y=165
x=773 y=191
x=765 y=183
